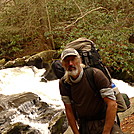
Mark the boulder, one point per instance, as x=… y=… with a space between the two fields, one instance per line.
x=2 y=61
x=38 y=60
x=20 y=128
x=126 y=76
x=58 y=124
x=16 y=63
x=28 y=105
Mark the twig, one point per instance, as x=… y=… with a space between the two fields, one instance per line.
x=49 y=25
x=79 y=10
x=84 y=16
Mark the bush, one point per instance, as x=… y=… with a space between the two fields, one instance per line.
x=108 y=23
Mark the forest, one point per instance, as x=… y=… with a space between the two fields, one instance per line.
x=31 y=26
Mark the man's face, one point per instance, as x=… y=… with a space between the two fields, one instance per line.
x=72 y=65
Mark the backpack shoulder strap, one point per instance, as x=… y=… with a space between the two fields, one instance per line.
x=67 y=86
x=90 y=76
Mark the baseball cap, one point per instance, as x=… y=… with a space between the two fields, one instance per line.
x=69 y=52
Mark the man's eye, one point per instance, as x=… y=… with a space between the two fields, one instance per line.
x=68 y=60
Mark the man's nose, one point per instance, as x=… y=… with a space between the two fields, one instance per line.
x=70 y=62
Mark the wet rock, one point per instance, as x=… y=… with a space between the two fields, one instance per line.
x=125 y=76
x=19 y=62
x=58 y=124
x=20 y=128
x=2 y=62
x=36 y=60
x=9 y=64
x=40 y=59
x=14 y=101
x=32 y=108
x=49 y=74
x=1 y=108
x=2 y=121
x=43 y=80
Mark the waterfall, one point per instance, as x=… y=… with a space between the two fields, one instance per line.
x=27 y=79
x=29 y=119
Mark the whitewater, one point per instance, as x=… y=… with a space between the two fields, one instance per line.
x=28 y=79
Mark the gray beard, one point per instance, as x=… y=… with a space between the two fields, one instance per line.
x=72 y=73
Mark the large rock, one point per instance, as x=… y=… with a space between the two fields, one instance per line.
x=16 y=63
x=58 y=124
x=37 y=60
x=28 y=105
x=20 y=128
x=2 y=62
x=126 y=76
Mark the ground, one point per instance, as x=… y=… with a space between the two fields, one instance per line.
x=127 y=123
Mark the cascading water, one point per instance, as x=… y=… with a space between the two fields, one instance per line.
x=27 y=79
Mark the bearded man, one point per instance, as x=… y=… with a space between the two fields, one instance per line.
x=96 y=113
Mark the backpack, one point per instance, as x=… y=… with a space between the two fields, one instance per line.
x=91 y=58
x=57 y=69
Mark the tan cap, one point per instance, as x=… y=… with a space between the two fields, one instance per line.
x=69 y=52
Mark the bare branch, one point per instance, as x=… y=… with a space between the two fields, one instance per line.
x=49 y=25
x=79 y=10
x=84 y=16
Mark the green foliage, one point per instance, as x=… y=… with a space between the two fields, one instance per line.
x=24 y=19
x=115 y=49
x=62 y=21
